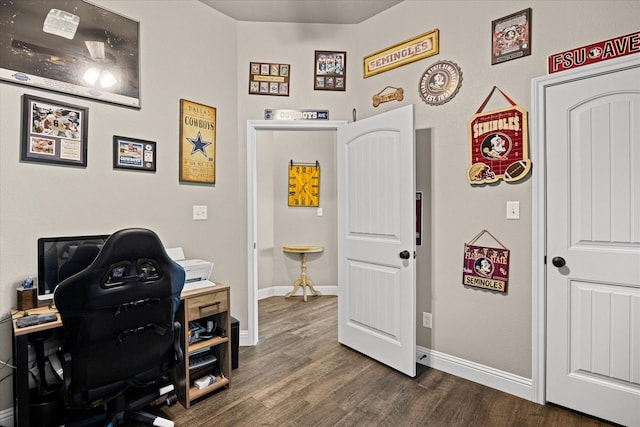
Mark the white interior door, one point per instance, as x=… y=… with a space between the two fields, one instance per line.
x=376 y=238
x=593 y=244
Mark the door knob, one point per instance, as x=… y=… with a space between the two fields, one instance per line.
x=558 y=261
x=405 y=254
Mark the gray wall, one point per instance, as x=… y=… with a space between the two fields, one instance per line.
x=280 y=224
x=207 y=62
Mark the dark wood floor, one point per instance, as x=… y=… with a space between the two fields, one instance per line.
x=299 y=375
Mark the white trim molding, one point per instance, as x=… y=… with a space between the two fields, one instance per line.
x=538 y=154
x=253 y=126
x=280 y=291
x=481 y=374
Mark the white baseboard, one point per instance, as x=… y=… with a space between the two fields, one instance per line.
x=6 y=417
x=280 y=291
x=481 y=374
x=244 y=338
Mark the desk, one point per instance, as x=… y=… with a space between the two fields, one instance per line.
x=201 y=305
x=21 y=415
x=194 y=304
x=303 y=280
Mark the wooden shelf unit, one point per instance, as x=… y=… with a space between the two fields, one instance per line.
x=200 y=305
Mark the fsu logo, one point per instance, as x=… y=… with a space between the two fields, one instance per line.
x=496 y=146
x=440 y=83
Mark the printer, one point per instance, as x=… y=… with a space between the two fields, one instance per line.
x=197 y=271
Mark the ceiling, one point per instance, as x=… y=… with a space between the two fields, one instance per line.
x=301 y=11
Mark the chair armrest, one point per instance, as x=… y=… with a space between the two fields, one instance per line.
x=177 y=328
x=65 y=358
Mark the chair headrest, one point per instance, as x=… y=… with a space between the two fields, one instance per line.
x=129 y=258
x=131 y=243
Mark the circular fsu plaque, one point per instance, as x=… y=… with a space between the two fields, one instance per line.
x=440 y=83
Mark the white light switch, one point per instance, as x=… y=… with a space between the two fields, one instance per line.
x=319 y=212
x=199 y=212
x=513 y=210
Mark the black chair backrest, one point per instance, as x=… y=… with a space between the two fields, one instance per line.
x=81 y=258
x=118 y=314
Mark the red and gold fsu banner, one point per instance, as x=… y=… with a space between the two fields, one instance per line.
x=498 y=144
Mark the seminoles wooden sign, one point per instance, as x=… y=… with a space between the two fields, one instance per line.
x=498 y=144
x=485 y=267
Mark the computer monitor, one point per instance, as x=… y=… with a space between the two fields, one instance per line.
x=62 y=257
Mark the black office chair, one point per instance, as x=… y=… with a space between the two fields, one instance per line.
x=121 y=340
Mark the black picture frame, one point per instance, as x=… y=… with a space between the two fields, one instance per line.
x=71 y=47
x=133 y=153
x=330 y=70
x=511 y=37
x=53 y=132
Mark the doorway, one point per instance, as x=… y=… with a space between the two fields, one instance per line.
x=282 y=221
x=586 y=244
x=267 y=127
x=253 y=128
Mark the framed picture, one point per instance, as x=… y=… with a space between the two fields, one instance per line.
x=131 y=153
x=406 y=52
x=511 y=37
x=269 y=79
x=330 y=70
x=197 y=143
x=53 y=132
x=72 y=47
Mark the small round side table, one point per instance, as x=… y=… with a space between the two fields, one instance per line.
x=303 y=280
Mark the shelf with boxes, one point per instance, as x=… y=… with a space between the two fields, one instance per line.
x=206 y=342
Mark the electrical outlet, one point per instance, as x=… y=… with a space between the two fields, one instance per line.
x=427 y=319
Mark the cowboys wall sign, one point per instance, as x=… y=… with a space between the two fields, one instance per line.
x=498 y=144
